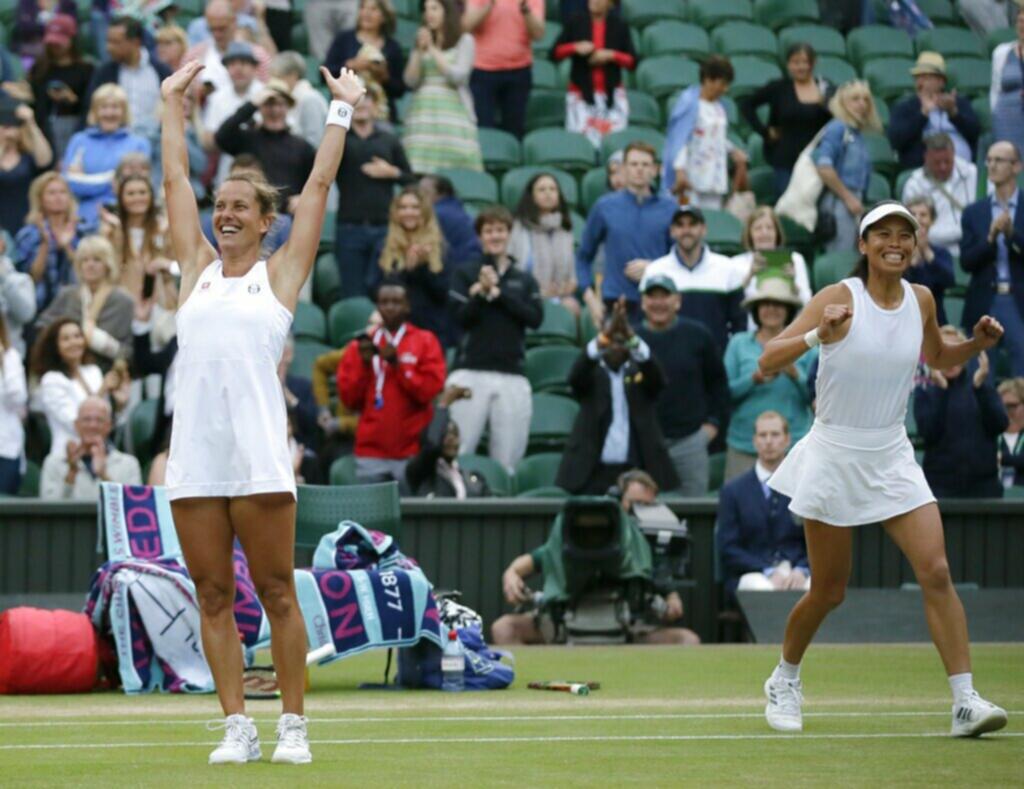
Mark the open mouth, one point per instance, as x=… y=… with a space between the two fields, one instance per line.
x=896 y=258
x=229 y=230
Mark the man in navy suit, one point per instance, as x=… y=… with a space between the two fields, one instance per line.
x=761 y=545
x=992 y=250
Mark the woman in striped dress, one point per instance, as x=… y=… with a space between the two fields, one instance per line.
x=440 y=126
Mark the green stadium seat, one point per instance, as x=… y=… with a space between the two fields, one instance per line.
x=745 y=38
x=711 y=13
x=871 y=42
x=954 y=306
x=497 y=478
x=553 y=9
x=410 y=9
x=300 y=40
x=501 y=150
x=901 y=181
x=983 y=109
x=725 y=232
x=557 y=328
x=762 y=184
x=889 y=78
x=310 y=322
x=616 y=141
x=306 y=353
x=545 y=109
x=549 y=492
x=878 y=189
x=347 y=318
x=883 y=158
x=716 y=471
x=755 y=150
x=547 y=368
x=825 y=40
x=542 y=48
x=587 y=329
x=798 y=237
x=551 y=423
x=320 y=508
x=641 y=13
x=29 y=488
x=780 y=13
x=644 y=109
x=343 y=471
x=961 y=277
x=472 y=185
x=831 y=267
x=670 y=37
x=1001 y=36
x=940 y=12
x=665 y=74
x=142 y=423
x=593 y=184
x=558 y=148
x=835 y=69
x=546 y=76
x=328 y=231
x=405 y=32
x=751 y=74
x=326 y=281
x=950 y=42
x=515 y=180
x=537 y=471
x=970 y=76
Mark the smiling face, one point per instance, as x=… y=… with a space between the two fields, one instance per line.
x=71 y=344
x=799 y=66
x=545 y=194
x=10 y=136
x=94 y=420
x=494 y=238
x=889 y=246
x=772 y=315
x=1014 y=408
x=136 y=197
x=92 y=270
x=762 y=233
x=55 y=199
x=688 y=233
x=275 y=114
x=238 y=223
x=370 y=17
x=242 y=73
x=923 y=215
x=409 y=213
x=433 y=14
x=659 y=307
x=109 y=115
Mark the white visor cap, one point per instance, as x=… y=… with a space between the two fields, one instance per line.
x=882 y=210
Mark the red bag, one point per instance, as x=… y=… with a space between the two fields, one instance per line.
x=47 y=652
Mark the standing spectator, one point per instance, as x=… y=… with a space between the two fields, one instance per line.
x=93 y=154
x=45 y=246
x=374 y=162
x=13 y=398
x=30 y=24
x=932 y=110
x=600 y=46
x=761 y=544
x=949 y=182
x=773 y=305
x=617 y=383
x=309 y=114
x=632 y=224
x=371 y=51
x=250 y=24
x=960 y=417
x=461 y=243
x=24 y=153
x=844 y=163
x=60 y=78
x=697 y=146
x=324 y=20
x=930 y=265
x=495 y=302
x=17 y=297
x=711 y=285
x=796 y=111
x=413 y=255
x=391 y=377
x=338 y=425
x=694 y=405
x=224 y=102
x=1011 y=447
x=440 y=124
x=75 y=471
x=1007 y=86
x=299 y=401
x=542 y=241
x=171 y=46
x=223 y=26
x=988 y=16
x=502 y=75
x=992 y=252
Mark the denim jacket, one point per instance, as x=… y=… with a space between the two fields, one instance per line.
x=843 y=148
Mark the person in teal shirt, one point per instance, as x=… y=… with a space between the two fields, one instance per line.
x=773 y=306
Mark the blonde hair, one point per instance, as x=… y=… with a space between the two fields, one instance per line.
x=97 y=247
x=956 y=331
x=758 y=213
x=837 y=106
x=172 y=34
x=35 y=197
x=109 y=92
x=392 y=257
x=1013 y=386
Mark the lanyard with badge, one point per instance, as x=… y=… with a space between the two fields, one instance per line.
x=378 y=364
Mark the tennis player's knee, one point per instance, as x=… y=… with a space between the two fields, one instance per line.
x=828 y=594
x=934 y=576
x=277 y=596
x=215 y=597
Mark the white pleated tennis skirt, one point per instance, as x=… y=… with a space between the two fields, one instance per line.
x=846 y=476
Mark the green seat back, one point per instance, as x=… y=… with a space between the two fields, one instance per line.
x=547 y=368
x=472 y=185
x=326 y=280
x=762 y=184
x=725 y=232
x=501 y=150
x=745 y=38
x=940 y=12
x=825 y=40
x=593 y=185
x=663 y=75
x=716 y=471
x=310 y=322
x=836 y=70
x=549 y=492
x=641 y=13
x=542 y=47
x=780 y=13
x=29 y=488
x=497 y=478
x=954 y=306
x=970 y=76
x=568 y=151
x=142 y=423
x=545 y=109
x=537 y=471
x=320 y=508
x=616 y=141
x=515 y=181
x=671 y=37
x=711 y=13
x=343 y=471
x=871 y=42
x=878 y=189
x=348 y=318
x=643 y=109
x=1001 y=36
x=545 y=75
x=557 y=328
x=950 y=42
x=831 y=267
x=751 y=73
x=551 y=422
x=883 y=157
x=889 y=78
x=306 y=354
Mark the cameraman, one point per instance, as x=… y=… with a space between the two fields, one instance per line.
x=637 y=487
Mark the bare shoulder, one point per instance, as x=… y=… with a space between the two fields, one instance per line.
x=925 y=299
x=837 y=293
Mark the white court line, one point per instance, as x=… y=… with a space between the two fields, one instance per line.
x=501 y=740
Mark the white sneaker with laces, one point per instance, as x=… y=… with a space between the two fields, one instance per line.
x=292 y=742
x=974 y=716
x=241 y=742
x=784 y=699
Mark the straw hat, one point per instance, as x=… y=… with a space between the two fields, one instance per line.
x=774 y=288
x=929 y=63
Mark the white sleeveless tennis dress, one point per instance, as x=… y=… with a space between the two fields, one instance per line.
x=856 y=465
x=230 y=433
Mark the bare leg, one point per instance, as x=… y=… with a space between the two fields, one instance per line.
x=204 y=531
x=829 y=550
x=919 y=535
x=671 y=635
x=265 y=525
x=512 y=629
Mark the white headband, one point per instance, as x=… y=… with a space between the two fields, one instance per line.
x=881 y=211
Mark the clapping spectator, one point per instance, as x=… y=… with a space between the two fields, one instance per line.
x=171 y=46
x=13 y=398
x=1007 y=85
x=30 y=25
x=324 y=20
x=24 y=153
x=60 y=79
x=308 y=116
x=17 y=297
x=950 y=183
x=440 y=124
x=461 y=242
x=930 y=265
x=1011 y=445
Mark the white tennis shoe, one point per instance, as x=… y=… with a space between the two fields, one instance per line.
x=784 y=699
x=975 y=716
x=241 y=742
x=292 y=742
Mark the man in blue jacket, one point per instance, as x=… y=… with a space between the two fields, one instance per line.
x=462 y=246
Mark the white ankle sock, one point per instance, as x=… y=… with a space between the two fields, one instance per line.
x=961 y=685
x=789 y=671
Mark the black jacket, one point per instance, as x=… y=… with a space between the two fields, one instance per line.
x=907 y=124
x=421 y=472
x=110 y=71
x=145 y=362
x=616 y=38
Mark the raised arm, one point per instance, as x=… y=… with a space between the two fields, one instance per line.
x=940 y=354
x=191 y=249
x=290 y=265
x=829 y=311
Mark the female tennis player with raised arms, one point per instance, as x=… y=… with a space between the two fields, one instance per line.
x=857 y=466
x=229 y=472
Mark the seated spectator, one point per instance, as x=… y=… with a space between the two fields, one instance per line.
x=337 y=424
x=950 y=183
x=711 y=285
x=280 y=228
x=250 y=22
x=600 y=46
x=930 y=265
x=308 y=116
x=93 y=154
x=697 y=146
x=502 y=69
x=772 y=305
x=298 y=399
x=494 y=302
x=1007 y=84
x=371 y=51
x=45 y=246
x=796 y=111
x=932 y=110
x=636 y=487
x=694 y=405
x=412 y=253
x=461 y=243
x=617 y=384
x=60 y=79
x=761 y=544
x=171 y=46
x=440 y=123
x=17 y=297
x=435 y=472
x=134 y=164
x=74 y=471
x=391 y=377
x=222 y=22
x=992 y=252
x=542 y=241
x=1011 y=448
x=615 y=171
x=27 y=37
x=24 y=153
x=13 y=399
x=97 y=303
x=960 y=417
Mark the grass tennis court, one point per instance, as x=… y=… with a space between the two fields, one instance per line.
x=665 y=716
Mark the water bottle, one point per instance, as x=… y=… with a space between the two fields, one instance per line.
x=453 y=663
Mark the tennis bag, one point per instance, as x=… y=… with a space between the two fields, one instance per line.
x=419 y=666
x=47 y=652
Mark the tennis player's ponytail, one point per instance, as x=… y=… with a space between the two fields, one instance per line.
x=861 y=269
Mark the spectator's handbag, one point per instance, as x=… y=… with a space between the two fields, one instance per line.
x=800 y=200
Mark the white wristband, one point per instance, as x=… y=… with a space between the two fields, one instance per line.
x=340 y=114
x=812 y=339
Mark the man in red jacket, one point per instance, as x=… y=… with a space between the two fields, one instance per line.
x=391 y=377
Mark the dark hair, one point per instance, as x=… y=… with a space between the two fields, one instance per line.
x=387 y=11
x=246 y=161
x=451 y=29
x=42 y=66
x=527 y=209
x=443 y=185
x=391 y=281
x=756 y=307
x=132 y=26
x=45 y=354
x=493 y=214
x=804 y=48
x=716 y=67
x=639 y=476
x=861 y=268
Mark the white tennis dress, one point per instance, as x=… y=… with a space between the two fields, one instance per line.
x=857 y=465
x=230 y=434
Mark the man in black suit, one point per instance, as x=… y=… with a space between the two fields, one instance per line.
x=617 y=383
